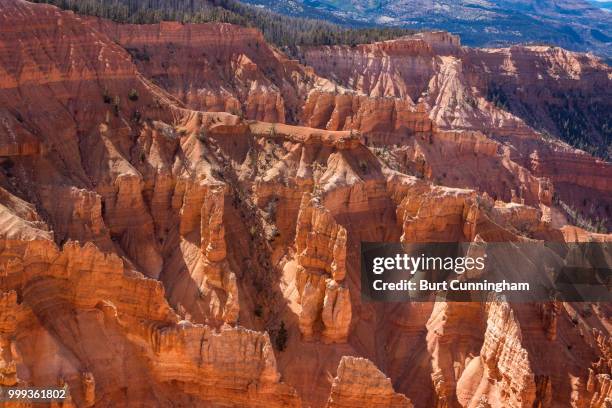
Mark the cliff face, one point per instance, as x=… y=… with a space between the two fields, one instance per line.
x=215 y=67
x=554 y=90
x=154 y=248
x=320 y=244
x=429 y=86
x=80 y=318
x=424 y=85
x=96 y=316
x=360 y=384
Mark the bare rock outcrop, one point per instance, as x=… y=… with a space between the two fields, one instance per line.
x=181 y=208
x=502 y=373
x=359 y=383
x=398 y=68
x=134 y=310
x=320 y=245
x=216 y=67
x=440 y=89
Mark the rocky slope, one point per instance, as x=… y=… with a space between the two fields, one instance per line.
x=430 y=86
x=156 y=250
x=215 y=67
x=389 y=91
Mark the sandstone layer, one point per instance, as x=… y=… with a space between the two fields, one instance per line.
x=182 y=206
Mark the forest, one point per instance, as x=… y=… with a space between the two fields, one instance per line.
x=285 y=32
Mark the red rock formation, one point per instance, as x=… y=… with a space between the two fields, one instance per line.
x=215 y=67
x=154 y=253
x=397 y=68
x=418 y=88
x=504 y=359
x=320 y=245
x=359 y=383
x=131 y=311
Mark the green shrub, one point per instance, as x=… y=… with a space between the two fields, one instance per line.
x=106 y=97
x=116 y=103
x=281 y=337
x=133 y=95
x=363 y=166
x=258 y=311
x=201 y=135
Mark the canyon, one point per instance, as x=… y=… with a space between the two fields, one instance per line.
x=182 y=207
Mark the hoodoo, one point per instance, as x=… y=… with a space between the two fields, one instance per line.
x=183 y=203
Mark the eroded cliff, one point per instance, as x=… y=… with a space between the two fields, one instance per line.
x=181 y=209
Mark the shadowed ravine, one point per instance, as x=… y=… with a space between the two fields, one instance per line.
x=183 y=229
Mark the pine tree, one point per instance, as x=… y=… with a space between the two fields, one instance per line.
x=281 y=337
x=280 y=30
